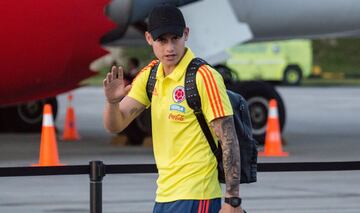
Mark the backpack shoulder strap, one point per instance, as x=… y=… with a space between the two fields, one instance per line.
x=191 y=91
x=194 y=102
x=150 y=85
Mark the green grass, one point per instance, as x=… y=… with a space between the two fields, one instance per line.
x=338 y=55
x=144 y=54
x=332 y=55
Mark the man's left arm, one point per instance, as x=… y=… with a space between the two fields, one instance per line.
x=224 y=129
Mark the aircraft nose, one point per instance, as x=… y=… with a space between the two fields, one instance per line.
x=119 y=11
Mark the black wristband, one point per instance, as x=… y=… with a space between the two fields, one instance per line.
x=233 y=201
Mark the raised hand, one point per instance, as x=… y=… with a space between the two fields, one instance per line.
x=114 y=85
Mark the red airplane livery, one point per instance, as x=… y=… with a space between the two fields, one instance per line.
x=46 y=48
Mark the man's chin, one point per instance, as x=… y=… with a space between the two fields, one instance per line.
x=172 y=62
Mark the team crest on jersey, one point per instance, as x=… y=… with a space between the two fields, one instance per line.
x=179 y=94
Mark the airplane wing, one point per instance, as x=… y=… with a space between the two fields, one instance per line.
x=209 y=36
x=216 y=25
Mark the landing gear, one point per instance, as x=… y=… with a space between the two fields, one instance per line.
x=139 y=128
x=258 y=95
x=25 y=117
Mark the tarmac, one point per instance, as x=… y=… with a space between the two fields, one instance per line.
x=322 y=125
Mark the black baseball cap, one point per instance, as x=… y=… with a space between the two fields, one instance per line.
x=165 y=18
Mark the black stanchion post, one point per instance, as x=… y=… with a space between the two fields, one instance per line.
x=97 y=172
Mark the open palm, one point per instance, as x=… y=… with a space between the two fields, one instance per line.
x=114 y=85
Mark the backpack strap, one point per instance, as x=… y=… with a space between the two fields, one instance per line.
x=194 y=102
x=150 y=85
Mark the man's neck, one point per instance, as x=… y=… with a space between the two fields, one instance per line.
x=168 y=69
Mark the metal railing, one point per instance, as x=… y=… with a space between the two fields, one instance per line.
x=97 y=171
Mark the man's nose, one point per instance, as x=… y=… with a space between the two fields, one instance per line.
x=170 y=47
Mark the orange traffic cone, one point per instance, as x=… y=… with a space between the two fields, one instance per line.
x=48 y=146
x=70 y=131
x=273 y=145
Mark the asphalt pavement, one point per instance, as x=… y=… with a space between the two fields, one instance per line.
x=322 y=125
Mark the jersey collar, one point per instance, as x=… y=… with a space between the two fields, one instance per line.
x=180 y=69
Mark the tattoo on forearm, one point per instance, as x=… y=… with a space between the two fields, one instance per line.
x=135 y=111
x=225 y=130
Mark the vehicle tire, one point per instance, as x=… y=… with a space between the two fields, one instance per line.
x=292 y=75
x=258 y=95
x=139 y=128
x=26 y=117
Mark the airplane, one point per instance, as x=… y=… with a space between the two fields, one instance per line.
x=47 y=46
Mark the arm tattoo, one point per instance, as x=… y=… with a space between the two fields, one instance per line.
x=224 y=129
x=135 y=111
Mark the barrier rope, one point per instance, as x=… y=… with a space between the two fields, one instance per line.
x=151 y=168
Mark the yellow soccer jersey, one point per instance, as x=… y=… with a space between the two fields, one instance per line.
x=186 y=164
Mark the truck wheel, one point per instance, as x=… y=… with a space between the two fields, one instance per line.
x=258 y=95
x=26 y=117
x=292 y=75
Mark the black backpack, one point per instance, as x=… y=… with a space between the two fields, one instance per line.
x=248 y=145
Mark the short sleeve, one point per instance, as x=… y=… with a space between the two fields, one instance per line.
x=215 y=102
x=138 y=87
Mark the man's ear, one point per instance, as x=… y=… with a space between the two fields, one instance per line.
x=186 y=33
x=149 y=38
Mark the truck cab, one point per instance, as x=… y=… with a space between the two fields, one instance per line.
x=287 y=62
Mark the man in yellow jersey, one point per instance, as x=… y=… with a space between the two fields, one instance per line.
x=188 y=179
